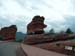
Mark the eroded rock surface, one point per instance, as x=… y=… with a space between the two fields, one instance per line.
x=36 y=25
x=8 y=33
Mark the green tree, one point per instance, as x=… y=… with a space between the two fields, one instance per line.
x=1 y=37
x=52 y=31
x=69 y=31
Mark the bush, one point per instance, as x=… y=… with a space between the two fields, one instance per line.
x=19 y=40
x=1 y=38
x=69 y=31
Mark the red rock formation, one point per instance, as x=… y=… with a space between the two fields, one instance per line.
x=36 y=25
x=45 y=42
x=8 y=33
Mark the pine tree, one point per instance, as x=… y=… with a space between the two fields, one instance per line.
x=69 y=31
x=51 y=31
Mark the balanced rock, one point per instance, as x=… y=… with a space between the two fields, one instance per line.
x=36 y=26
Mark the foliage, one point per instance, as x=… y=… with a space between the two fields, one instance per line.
x=1 y=38
x=69 y=31
x=52 y=31
x=19 y=40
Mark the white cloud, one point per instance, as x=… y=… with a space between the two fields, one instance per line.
x=53 y=10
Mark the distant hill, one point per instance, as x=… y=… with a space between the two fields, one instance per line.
x=20 y=36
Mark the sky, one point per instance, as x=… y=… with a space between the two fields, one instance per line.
x=59 y=14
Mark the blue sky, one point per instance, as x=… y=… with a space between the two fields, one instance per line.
x=59 y=14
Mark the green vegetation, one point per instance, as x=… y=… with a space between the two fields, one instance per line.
x=69 y=31
x=52 y=31
x=20 y=40
x=1 y=38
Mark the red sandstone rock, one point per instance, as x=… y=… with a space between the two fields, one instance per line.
x=8 y=33
x=36 y=25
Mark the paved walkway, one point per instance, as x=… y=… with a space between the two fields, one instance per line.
x=17 y=49
x=8 y=48
x=33 y=51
